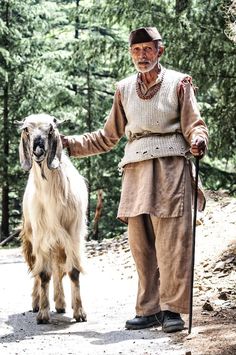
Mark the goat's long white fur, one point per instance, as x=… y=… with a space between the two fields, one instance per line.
x=54 y=202
x=55 y=208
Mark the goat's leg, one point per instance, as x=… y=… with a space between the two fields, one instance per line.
x=59 y=296
x=27 y=250
x=79 y=314
x=36 y=294
x=43 y=316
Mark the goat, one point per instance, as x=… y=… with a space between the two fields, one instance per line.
x=54 y=216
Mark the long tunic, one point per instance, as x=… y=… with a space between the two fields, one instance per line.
x=154 y=186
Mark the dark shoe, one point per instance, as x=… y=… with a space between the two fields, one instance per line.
x=141 y=322
x=172 y=322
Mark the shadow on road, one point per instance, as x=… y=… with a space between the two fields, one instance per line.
x=118 y=336
x=24 y=326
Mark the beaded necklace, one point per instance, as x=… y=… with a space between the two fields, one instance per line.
x=152 y=91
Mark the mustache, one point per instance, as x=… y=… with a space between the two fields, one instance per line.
x=144 y=61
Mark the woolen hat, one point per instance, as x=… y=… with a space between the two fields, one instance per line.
x=144 y=34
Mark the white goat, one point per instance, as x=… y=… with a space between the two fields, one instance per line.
x=54 y=216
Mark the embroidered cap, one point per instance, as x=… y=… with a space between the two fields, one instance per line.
x=144 y=34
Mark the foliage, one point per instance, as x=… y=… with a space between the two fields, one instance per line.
x=216 y=178
x=195 y=43
x=208 y=55
x=65 y=57
x=230 y=15
x=16 y=45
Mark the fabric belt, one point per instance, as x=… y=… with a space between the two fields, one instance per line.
x=134 y=136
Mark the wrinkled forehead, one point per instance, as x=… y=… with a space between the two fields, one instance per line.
x=144 y=45
x=42 y=122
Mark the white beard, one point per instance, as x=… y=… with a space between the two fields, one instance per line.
x=148 y=68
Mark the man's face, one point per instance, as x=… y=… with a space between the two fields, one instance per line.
x=144 y=56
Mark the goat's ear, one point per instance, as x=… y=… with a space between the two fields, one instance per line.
x=54 y=150
x=24 y=152
x=62 y=123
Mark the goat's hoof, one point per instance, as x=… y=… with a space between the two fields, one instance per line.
x=35 y=309
x=60 y=310
x=81 y=319
x=42 y=321
x=43 y=318
x=80 y=316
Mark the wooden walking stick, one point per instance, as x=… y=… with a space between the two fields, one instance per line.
x=193 y=245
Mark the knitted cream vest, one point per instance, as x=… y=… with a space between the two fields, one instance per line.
x=156 y=121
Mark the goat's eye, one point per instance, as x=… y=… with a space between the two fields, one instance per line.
x=26 y=130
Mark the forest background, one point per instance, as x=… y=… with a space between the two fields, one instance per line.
x=65 y=57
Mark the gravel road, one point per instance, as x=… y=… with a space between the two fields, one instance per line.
x=108 y=291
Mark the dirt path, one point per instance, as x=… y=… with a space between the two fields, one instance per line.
x=109 y=292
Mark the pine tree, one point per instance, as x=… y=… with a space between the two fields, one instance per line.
x=17 y=24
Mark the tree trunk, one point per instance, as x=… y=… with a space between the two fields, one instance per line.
x=5 y=187
x=97 y=216
x=75 y=88
x=14 y=235
x=5 y=169
x=181 y=5
x=77 y=20
x=88 y=121
x=89 y=127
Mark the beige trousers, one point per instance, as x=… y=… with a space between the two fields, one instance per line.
x=161 y=248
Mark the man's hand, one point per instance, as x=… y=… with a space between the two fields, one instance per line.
x=198 y=146
x=64 y=141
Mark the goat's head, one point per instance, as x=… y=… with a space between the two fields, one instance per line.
x=40 y=140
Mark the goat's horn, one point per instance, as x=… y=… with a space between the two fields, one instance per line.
x=60 y=123
x=19 y=123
